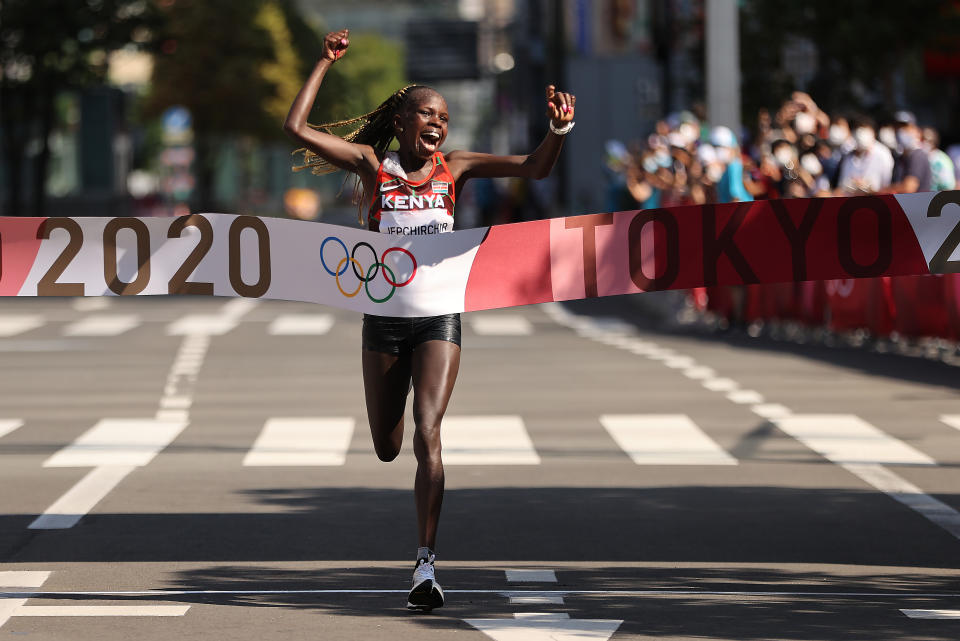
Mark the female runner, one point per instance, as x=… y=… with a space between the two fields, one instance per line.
x=424 y=350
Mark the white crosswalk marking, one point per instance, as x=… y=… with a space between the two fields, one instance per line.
x=845 y=438
x=81 y=498
x=103 y=325
x=953 y=420
x=720 y=384
x=745 y=396
x=771 y=410
x=546 y=629
x=204 y=324
x=501 y=325
x=23 y=578
x=306 y=441
x=118 y=442
x=8 y=425
x=536 y=600
x=301 y=325
x=531 y=576
x=91 y=303
x=487 y=440
x=908 y=494
x=932 y=614
x=114 y=448
x=664 y=439
x=13 y=324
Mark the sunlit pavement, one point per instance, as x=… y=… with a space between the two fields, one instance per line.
x=202 y=468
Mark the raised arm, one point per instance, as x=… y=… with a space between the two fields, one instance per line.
x=360 y=159
x=468 y=164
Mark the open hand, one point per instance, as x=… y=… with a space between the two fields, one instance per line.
x=335 y=44
x=560 y=106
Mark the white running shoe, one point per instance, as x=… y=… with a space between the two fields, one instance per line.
x=426 y=593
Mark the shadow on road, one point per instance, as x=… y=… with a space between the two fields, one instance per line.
x=656 y=317
x=641 y=524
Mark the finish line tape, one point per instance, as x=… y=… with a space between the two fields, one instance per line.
x=488 y=267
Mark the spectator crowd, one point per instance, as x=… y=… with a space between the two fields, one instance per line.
x=799 y=151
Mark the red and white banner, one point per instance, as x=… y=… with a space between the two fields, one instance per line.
x=488 y=267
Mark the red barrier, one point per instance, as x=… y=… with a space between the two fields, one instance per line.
x=859 y=304
x=921 y=305
x=951 y=286
x=812 y=306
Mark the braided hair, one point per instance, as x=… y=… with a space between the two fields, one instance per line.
x=374 y=128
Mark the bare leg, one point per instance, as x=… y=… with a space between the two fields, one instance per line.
x=386 y=381
x=435 y=367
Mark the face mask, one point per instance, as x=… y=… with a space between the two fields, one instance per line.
x=838 y=135
x=810 y=163
x=888 y=137
x=804 y=123
x=864 y=137
x=907 y=139
x=714 y=173
x=784 y=156
x=663 y=158
x=649 y=165
x=689 y=133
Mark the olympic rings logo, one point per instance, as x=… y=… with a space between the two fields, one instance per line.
x=364 y=276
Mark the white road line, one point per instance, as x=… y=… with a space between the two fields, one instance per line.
x=237 y=307
x=307 y=441
x=301 y=325
x=720 y=384
x=953 y=420
x=536 y=576
x=172 y=415
x=207 y=324
x=487 y=440
x=554 y=599
x=908 y=494
x=9 y=607
x=551 y=629
x=846 y=438
x=17 y=579
x=11 y=325
x=664 y=439
x=745 y=397
x=501 y=325
x=101 y=611
x=23 y=578
x=542 y=616
x=118 y=442
x=679 y=362
x=176 y=402
x=771 y=410
x=91 y=303
x=102 y=325
x=932 y=614
x=80 y=499
x=700 y=373
x=8 y=425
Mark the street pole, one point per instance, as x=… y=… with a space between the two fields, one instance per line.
x=723 y=63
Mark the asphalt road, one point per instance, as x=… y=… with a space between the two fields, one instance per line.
x=202 y=468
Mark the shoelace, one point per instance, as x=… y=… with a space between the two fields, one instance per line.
x=424 y=569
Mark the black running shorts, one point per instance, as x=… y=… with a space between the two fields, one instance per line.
x=395 y=335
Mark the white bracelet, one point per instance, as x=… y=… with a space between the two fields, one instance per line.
x=562 y=131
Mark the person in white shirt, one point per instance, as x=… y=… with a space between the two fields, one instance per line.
x=869 y=167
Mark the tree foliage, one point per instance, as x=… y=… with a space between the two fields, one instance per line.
x=46 y=48
x=237 y=65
